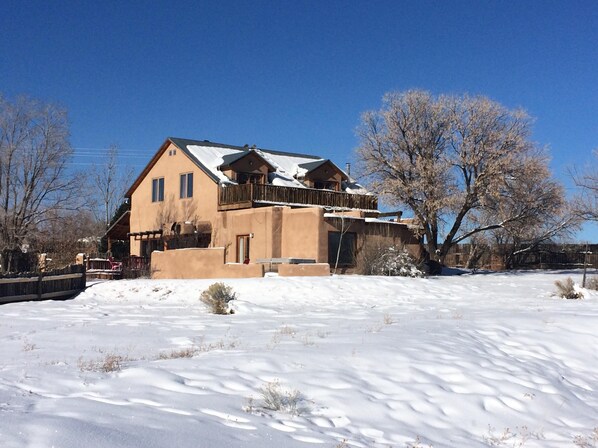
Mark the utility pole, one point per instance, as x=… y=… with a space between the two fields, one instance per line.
x=585 y=266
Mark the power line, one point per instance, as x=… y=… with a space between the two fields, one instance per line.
x=117 y=149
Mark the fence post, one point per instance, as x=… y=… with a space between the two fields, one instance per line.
x=84 y=278
x=39 y=285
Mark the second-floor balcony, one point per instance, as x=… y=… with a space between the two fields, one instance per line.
x=234 y=197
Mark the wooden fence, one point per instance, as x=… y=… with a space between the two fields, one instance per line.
x=56 y=284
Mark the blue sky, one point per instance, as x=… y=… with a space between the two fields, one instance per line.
x=296 y=75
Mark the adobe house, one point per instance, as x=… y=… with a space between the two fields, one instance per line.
x=215 y=210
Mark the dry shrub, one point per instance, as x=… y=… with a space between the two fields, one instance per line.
x=592 y=283
x=217 y=297
x=275 y=398
x=566 y=289
x=278 y=399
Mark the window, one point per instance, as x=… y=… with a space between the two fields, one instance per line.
x=326 y=185
x=148 y=246
x=249 y=178
x=243 y=249
x=186 y=185
x=158 y=189
x=346 y=255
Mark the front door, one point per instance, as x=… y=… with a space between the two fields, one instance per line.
x=243 y=249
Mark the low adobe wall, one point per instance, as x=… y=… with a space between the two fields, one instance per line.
x=200 y=263
x=304 y=270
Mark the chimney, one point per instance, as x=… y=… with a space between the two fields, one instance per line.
x=348 y=169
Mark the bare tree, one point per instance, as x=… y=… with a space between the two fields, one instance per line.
x=66 y=236
x=586 y=204
x=109 y=182
x=461 y=164
x=35 y=185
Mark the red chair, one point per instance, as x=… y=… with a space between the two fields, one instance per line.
x=115 y=265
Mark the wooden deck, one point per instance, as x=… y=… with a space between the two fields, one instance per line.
x=234 y=197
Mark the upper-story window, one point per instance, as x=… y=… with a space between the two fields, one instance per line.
x=158 y=189
x=326 y=185
x=186 y=190
x=250 y=178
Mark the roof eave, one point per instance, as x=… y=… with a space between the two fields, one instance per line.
x=157 y=156
x=147 y=168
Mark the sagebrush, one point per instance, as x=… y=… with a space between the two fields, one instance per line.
x=217 y=297
x=566 y=289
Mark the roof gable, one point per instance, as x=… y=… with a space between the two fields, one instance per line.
x=232 y=159
x=179 y=143
x=310 y=167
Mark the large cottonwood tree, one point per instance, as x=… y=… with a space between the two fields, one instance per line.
x=34 y=181
x=463 y=165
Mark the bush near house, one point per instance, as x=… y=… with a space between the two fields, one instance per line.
x=395 y=262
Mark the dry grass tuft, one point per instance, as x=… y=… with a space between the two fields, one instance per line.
x=187 y=352
x=28 y=346
x=110 y=363
x=417 y=443
x=590 y=441
x=516 y=439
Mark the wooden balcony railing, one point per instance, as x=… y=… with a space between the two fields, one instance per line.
x=248 y=195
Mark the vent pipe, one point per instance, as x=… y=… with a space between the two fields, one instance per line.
x=348 y=168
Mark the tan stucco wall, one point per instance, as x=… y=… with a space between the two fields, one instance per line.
x=200 y=263
x=148 y=215
x=301 y=235
x=304 y=270
x=262 y=224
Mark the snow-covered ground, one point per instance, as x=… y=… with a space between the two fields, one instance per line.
x=462 y=361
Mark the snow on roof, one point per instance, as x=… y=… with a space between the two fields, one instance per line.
x=212 y=157
x=288 y=166
x=354 y=188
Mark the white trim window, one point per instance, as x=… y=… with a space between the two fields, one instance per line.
x=186 y=190
x=158 y=189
